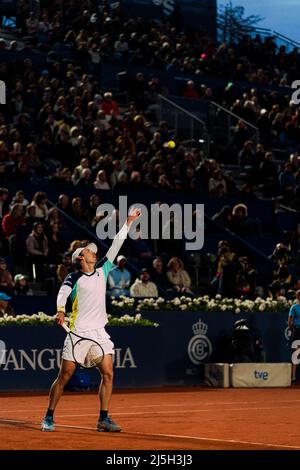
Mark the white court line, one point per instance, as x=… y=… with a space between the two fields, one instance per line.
x=161 y=405
x=171 y=436
x=174 y=412
x=233 y=441
x=183 y=412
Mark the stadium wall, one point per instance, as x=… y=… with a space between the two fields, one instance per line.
x=172 y=354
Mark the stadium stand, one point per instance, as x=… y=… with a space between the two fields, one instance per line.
x=91 y=100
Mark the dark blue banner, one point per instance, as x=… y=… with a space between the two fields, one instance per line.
x=190 y=339
x=172 y=354
x=30 y=357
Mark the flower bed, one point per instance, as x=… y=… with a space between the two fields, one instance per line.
x=43 y=319
x=204 y=304
x=128 y=304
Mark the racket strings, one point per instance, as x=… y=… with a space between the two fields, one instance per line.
x=87 y=353
x=94 y=356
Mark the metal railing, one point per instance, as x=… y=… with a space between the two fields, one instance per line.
x=223 y=125
x=224 y=119
x=236 y=33
x=187 y=128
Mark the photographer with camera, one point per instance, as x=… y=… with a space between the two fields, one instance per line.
x=246 y=343
x=281 y=255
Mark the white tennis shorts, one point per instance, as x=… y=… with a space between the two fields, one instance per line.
x=101 y=336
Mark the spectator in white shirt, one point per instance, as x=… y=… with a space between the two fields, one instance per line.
x=100 y=182
x=143 y=287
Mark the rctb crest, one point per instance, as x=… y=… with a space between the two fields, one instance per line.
x=199 y=347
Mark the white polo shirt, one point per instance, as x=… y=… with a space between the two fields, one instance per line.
x=87 y=291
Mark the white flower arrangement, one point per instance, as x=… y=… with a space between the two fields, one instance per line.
x=184 y=304
x=205 y=303
x=42 y=319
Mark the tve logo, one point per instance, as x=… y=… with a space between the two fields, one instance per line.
x=261 y=375
x=2 y=92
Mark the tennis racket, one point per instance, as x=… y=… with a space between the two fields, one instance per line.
x=86 y=352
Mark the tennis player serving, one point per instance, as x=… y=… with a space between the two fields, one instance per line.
x=87 y=288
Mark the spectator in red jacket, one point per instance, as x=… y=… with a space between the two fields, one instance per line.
x=109 y=106
x=189 y=91
x=13 y=220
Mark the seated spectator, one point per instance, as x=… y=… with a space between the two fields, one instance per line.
x=178 y=277
x=32 y=24
x=21 y=286
x=189 y=90
x=143 y=287
x=4 y=204
x=39 y=202
x=109 y=106
x=122 y=184
x=85 y=181
x=94 y=202
x=101 y=182
x=77 y=173
x=287 y=181
x=56 y=242
x=242 y=224
x=6 y=279
x=158 y=275
x=65 y=267
x=64 y=203
x=37 y=249
x=268 y=174
x=19 y=198
x=247 y=154
x=77 y=211
x=119 y=278
x=217 y=185
x=74 y=245
x=117 y=169
x=136 y=180
x=13 y=220
x=5 y=308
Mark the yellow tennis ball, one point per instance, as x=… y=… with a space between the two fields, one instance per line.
x=171 y=144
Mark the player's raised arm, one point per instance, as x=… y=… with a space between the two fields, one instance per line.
x=121 y=235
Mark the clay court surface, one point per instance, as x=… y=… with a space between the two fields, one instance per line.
x=161 y=419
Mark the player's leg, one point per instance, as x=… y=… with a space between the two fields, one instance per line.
x=105 y=391
x=67 y=369
x=294 y=366
x=106 y=385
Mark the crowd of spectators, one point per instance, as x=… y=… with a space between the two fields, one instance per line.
x=62 y=128
x=101 y=31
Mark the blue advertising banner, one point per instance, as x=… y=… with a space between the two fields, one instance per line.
x=191 y=339
x=172 y=354
x=30 y=357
